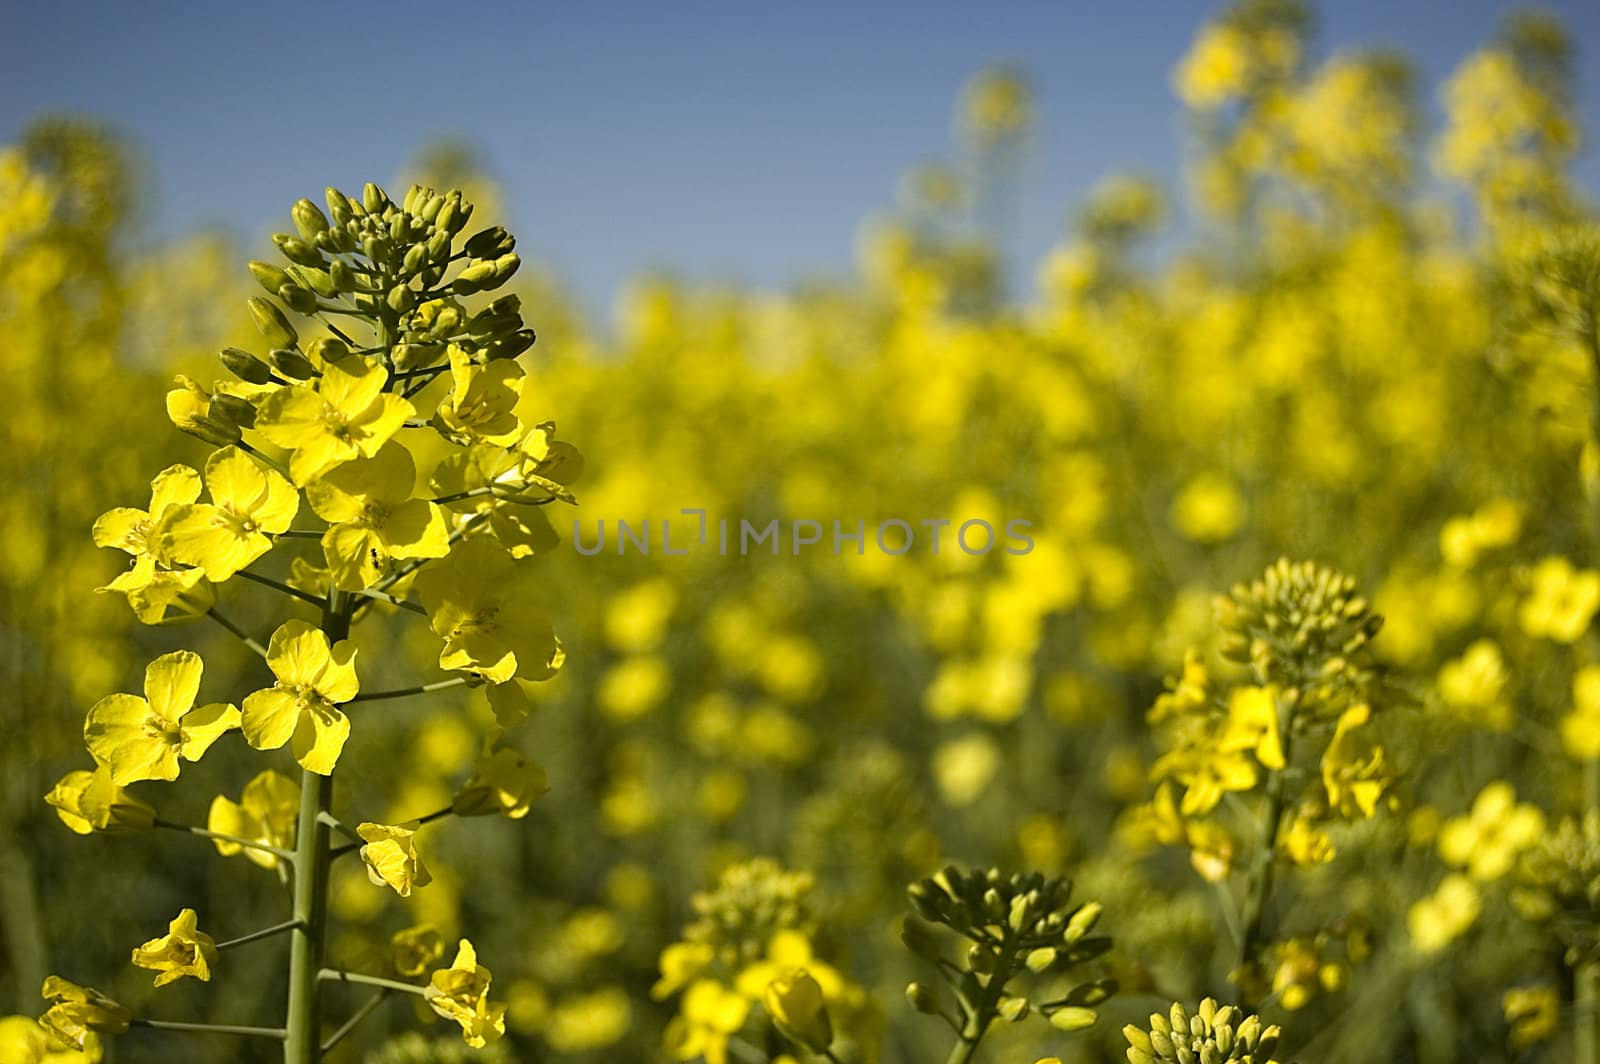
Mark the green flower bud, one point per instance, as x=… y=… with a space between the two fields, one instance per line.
x=1073 y=1018
x=300 y=300
x=319 y=281
x=234 y=409
x=414 y=195
x=1012 y=1009
x=292 y=364
x=401 y=299
x=271 y=323
x=400 y=228
x=297 y=251
x=416 y=258
x=474 y=278
x=245 y=366
x=490 y=243
x=308 y=218
x=505 y=266
x=918 y=938
x=378 y=248
x=430 y=209
x=338 y=206
x=1082 y=922
x=342 y=276
x=923 y=998
x=268 y=276
x=373 y=198
x=342 y=239
x=328 y=349
x=510 y=346
x=1041 y=959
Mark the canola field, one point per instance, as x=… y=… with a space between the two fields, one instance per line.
x=1181 y=649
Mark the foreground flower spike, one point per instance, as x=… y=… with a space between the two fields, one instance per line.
x=143 y=738
x=373 y=310
x=183 y=951
x=76 y=1010
x=461 y=993
x=302 y=707
x=1211 y=1034
x=391 y=858
x=795 y=1003
x=249 y=504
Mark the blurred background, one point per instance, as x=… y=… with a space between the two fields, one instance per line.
x=1188 y=287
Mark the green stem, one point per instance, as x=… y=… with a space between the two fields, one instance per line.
x=312 y=861
x=981 y=1014
x=257 y=936
x=393 y=600
x=275 y=1033
x=1587 y=977
x=293 y=592
x=332 y=975
x=1258 y=883
x=237 y=840
x=406 y=692
x=244 y=637
x=355 y=1019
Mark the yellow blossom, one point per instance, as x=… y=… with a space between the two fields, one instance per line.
x=1534 y=1013
x=460 y=993
x=1561 y=602
x=485 y=606
x=1253 y=725
x=184 y=950
x=249 y=504
x=709 y=1015
x=504 y=782
x=416 y=949
x=266 y=813
x=1487 y=841
x=75 y=1011
x=91 y=801
x=681 y=963
x=794 y=1001
x=302 y=707
x=391 y=857
x=24 y=1041
x=143 y=738
x=1354 y=772
x=342 y=415
x=373 y=518
x=1580 y=728
x=1445 y=915
x=133 y=531
x=481 y=406
x=1474 y=686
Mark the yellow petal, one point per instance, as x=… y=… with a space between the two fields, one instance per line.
x=204 y=726
x=319 y=736
x=122 y=528
x=417 y=529
x=176 y=485
x=297 y=653
x=375 y=425
x=171 y=684
x=235 y=480
x=357 y=555
x=269 y=718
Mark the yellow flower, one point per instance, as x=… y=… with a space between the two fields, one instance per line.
x=481 y=406
x=794 y=1001
x=1474 y=685
x=1304 y=845
x=1353 y=770
x=266 y=812
x=1207 y=773
x=484 y=605
x=1580 y=729
x=373 y=517
x=142 y=738
x=709 y=1014
x=504 y=782
x=345 y=414
x=460 y=993
x=302 y=707
x=391 y=857
x=1253 y=725
x=150 y=588
x=23 y=1041
x=1189 y=693
x=184 y=950
x=90 y=801
x=133 y=531
x=416 y=949
x=1463 y=540
x=1488 y=840
x=1209 y=509
x=1444 y=916
x=681 y=963
x=249 y=504
x=1562 y=601
x=76 y=1010
x=1534 y=1013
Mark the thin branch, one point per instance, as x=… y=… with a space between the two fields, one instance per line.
x=294 y=592
x=338 y=825
x=406 y=692
x=299 y=533
x=393 y=600
x=256 y=936
x=277 y=1034
x=333 y=975
x=356 y=1017
x=253 y=644
x=267 y=458
x=437 y=814
x=249 y=844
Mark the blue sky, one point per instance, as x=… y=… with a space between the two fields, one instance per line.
x=740 y=143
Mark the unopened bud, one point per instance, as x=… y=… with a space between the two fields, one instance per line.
x=245 y=366
x=293 y=364
x=309 y=219
x=271 y=323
